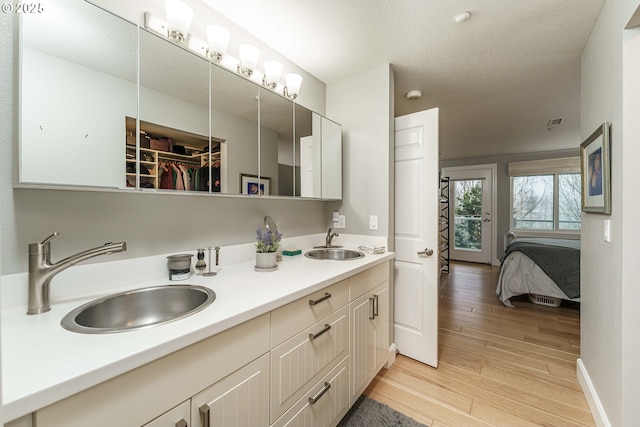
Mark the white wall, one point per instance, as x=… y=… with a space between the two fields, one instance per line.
x=362 y=104
x=609 y=318
x=630 y=213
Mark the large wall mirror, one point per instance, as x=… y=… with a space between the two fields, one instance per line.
x=105 y=103
x=234 y=124
x=78 y=83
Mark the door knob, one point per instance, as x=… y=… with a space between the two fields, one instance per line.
x=427 y=252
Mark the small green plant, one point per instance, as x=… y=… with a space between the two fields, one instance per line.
x=267 y=241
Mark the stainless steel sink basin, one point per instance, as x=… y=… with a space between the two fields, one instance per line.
x=138 y=309
x=333 y=254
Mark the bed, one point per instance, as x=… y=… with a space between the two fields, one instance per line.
x=547 y=269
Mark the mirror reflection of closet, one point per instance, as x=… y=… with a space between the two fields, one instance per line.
x=276 y=142
x=174 y=119
x=78 y=83
x=234 y=123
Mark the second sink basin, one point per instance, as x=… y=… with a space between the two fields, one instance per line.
x=333 y=254
x=138 y=309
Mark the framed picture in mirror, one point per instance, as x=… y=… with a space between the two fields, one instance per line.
x=595 y=161
x=253 y=185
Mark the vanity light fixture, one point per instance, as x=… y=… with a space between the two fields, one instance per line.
x=248 y=59
x=293 y=83
x=218 y=38
x=272 y=71
x=198 y=45
x=176 y=28
x=179 y=17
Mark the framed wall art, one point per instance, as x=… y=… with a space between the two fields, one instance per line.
x=595 y=165
x=254 y=186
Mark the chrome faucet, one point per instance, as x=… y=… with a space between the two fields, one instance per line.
x=330 y=236
x=41 y=271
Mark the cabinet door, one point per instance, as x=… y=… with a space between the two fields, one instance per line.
x=381 y=325
x=370 y=337
x=240 y=399
x=363 y=350
x=177 y=417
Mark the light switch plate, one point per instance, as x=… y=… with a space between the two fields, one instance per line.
x=373 y=222
x=607 y=230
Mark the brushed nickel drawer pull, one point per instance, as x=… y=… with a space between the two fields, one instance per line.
x=314 y=336
x=326 y=388
x=204 y=415
x=326 y=296
x=182 y=423
x=375 y=305
x=373 y=308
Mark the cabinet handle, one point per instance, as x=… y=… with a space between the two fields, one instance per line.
x=204 y=415
x=373 y=308
x=314 y=336
x=313 y=400
x=326 y=296
x=375 y=305
x=182 y=423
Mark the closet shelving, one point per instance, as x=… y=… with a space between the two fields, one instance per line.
x=195 y=148
x=444 y=225
x=148 y=159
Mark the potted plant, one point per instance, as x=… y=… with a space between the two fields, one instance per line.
x=267 y=244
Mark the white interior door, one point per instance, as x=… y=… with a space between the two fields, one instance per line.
x=471 y=213
x=416 y=275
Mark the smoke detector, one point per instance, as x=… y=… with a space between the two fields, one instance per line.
x=414 y=94
x=461 y=17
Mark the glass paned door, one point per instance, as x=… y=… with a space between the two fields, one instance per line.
x=467 y=209
x=472 y=235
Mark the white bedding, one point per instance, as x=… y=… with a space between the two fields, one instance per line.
x=520 y=275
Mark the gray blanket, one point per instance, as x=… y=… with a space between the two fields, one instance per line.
x=558 y=258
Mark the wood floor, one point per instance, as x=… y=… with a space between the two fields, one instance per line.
x=498 y=366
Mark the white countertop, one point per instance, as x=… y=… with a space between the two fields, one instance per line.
x=43 y=362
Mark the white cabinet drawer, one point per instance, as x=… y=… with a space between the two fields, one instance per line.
x=298 y=363
x=325 y=404
x=369 y=279
x=292 y=318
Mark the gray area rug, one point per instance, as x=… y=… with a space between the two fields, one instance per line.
x=369 y=413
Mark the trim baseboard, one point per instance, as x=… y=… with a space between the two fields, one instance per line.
x=393 y=350
x=597 y=410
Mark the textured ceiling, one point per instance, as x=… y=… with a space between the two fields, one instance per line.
x=497 y=78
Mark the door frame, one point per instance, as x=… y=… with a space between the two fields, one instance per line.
x=466 y=172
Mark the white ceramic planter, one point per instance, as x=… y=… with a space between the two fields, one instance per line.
x=266 y=261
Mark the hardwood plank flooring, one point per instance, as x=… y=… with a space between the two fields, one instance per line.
x=498 y=366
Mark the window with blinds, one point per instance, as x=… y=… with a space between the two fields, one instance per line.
x=545 y=195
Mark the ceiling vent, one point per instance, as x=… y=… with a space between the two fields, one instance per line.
x=554 y=122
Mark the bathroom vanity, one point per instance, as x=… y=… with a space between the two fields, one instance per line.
x=298 y=344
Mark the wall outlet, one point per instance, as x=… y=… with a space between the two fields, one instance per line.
x=342 y=222
x=373 y=222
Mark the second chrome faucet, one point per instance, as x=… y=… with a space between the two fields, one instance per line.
x=41 y=270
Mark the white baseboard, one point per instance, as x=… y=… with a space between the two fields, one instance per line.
x=597 y=410
x=393 y=350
